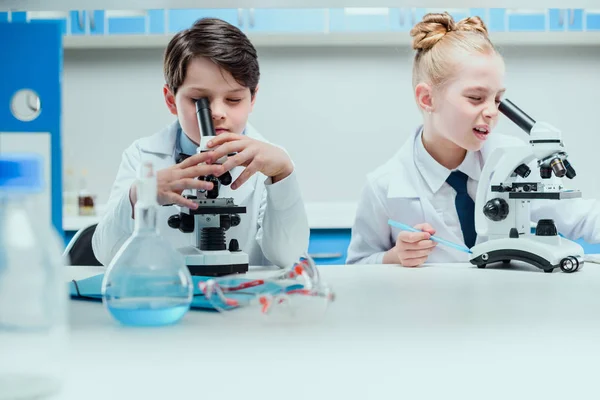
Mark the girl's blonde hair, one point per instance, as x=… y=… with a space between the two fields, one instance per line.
x=438 y=40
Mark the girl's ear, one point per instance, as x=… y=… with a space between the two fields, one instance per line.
x=423 y=95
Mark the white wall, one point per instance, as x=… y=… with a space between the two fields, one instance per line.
x=340 y=112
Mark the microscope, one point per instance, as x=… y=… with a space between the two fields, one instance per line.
x=505 y=193
x=210 y=255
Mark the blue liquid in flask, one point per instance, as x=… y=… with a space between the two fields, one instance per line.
x=150 y=312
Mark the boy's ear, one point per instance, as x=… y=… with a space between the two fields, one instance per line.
x=170 y=99
x=423 y=95
x=253 y=99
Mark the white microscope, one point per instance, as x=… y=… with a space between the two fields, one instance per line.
x=504 y=195
x=210 y=256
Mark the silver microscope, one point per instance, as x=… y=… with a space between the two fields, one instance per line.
x=211 y=256
x=505 y=193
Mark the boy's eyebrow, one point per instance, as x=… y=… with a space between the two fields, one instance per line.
x=201 y=89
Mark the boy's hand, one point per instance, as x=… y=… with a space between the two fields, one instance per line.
x=255 y=155
x=412 y=248
x=172 y=181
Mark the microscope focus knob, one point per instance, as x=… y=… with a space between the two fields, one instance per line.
x=234 y=245
x=546 y=227
x=185 y=223
x=496 y=209
x=235 y=220
x=174 y=221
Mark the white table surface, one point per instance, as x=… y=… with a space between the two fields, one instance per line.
x=446 y=331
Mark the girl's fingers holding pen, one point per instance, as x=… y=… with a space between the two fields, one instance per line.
x=425 y=227
x=426 y=244
x=420 y=245
x=413 y=237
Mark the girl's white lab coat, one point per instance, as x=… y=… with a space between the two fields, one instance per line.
x=274 y=230
x=395 y=191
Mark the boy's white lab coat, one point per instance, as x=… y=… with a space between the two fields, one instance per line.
x=274 y=230
x=395 y=191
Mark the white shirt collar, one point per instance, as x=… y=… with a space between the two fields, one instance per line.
x=435 y=174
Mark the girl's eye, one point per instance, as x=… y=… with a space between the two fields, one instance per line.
x=474 y=98
x=234 y=100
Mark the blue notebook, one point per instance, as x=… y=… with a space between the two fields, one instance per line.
x=90 y=289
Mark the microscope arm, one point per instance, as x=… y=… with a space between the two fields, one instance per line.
x=499 y=170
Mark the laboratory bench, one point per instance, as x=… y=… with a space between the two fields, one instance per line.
x=434 y=332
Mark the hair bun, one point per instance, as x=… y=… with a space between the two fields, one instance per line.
x=431 y=30
x=435 y=26
x=472 y=24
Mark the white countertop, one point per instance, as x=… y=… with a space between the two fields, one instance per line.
x=440 y=331
x=323 y=215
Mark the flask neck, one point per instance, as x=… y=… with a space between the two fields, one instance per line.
x=145 y=219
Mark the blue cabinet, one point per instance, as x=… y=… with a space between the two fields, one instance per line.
x=565 y=19
x=592 y=20
x=575 y=20
x=497 y=20
x=557 y=19
x=157 y=22
x=3 y=16
x=361 y=19
x=43 y=16
x=403 y=19
x=526 y=20
x=78 y=22
x=18 y=16
x=96 y=22
x=180 y=19
x=329 y=246
x=291 y=20
x=126 y=22
x=85 y=22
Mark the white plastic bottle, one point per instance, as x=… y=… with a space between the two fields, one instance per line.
x=33 y=291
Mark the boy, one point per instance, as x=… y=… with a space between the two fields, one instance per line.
x=212 y=59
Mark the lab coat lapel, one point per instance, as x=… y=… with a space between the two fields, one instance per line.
x=409 y=184
x=163 y=142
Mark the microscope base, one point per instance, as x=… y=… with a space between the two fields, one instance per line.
x=214 y=263
x=544 y=252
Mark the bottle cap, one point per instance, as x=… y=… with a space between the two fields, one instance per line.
x=21 y=173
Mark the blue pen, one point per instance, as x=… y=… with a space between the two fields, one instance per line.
x=405 y=227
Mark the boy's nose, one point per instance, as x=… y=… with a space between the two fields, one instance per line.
x=218 y=111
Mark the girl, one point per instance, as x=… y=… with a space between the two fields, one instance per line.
x=458 y=84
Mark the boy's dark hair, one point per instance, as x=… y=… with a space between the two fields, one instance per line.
x=220 y=42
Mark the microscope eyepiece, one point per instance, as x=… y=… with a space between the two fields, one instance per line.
x=516 y=115
x=204 y=117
